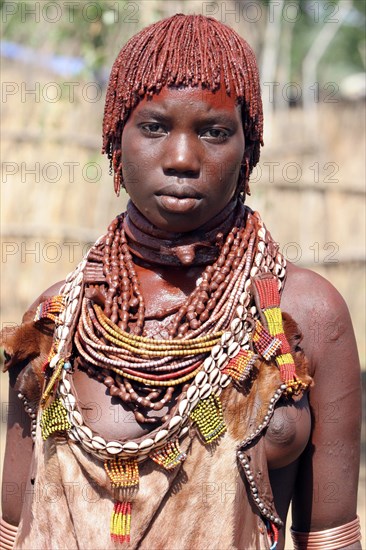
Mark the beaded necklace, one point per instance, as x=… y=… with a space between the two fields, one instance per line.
x=202 y=358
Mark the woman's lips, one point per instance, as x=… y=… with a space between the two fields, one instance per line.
x=178 y=204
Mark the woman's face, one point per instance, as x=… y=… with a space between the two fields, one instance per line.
x=181 y=156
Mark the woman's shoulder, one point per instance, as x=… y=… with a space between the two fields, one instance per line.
x=307 y=290
x=320 y=312
x=29 y=342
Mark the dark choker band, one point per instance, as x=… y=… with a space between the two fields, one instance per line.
x=199 y=247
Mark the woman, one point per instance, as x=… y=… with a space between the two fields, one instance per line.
x=172 y=385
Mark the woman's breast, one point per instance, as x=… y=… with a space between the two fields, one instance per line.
x=108 y=416
x=288 y=433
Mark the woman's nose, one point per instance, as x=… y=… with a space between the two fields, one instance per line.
x=181 y=156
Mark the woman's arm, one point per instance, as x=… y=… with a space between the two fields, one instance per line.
x=18 y=455
x=26 y=348
x=326 y=487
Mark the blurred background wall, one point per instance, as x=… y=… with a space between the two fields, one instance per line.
x=57 y=194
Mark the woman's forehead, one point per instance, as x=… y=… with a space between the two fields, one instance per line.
x=196 y=97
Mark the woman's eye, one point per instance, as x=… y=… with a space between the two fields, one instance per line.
x=216 y=134
x=153 y=128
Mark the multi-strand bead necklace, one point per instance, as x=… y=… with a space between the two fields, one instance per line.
x=130 y=363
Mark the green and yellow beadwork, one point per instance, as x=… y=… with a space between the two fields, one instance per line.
x=209 y=418
x=54 y=419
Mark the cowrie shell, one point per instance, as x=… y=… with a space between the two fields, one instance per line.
x=183 y=407
x=86 y=431
x=161 y=435
x=98 y=442
x=183 y=431
x=66 y=383
x=62 y=288
x=113 y=447
x=261 y=247
x=69 y=276
x=254 y=271
x=70 y=402
x=205 y=391
x=216 y=351
x=54 y=361
x=240 y=310
x=226 y=337
x=236 y=325
x=62 y=316
x=78 y=279
x=130 y=447
x=201 y=379
x=192 y=393
x=218 y=391
x=63 y=391
x=222 y=360
x=65 y=333
x=225 y=380
x=146 y=444
x=75 y=292
x=68 y=319
x=233 y=349
x=208 y=364
x=214 y=377
x=175 y=421
x=76 y=418
x=262 y=233
x=258 y=259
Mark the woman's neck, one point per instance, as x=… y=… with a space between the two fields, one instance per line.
x=196 y=248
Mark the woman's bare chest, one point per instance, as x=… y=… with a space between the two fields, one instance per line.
x=285 y=438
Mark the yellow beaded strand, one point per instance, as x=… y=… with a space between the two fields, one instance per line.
x=150 y=346
x=162 y=383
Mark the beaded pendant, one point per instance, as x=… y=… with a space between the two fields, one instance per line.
x=124 y=478
x=169 y=456
x=240 y=366
x=209 y=418
x=269 y=300
x=54 y=419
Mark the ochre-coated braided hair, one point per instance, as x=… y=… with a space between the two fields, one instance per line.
x=184 y=50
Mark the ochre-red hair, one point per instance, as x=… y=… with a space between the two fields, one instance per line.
x=183 y=50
